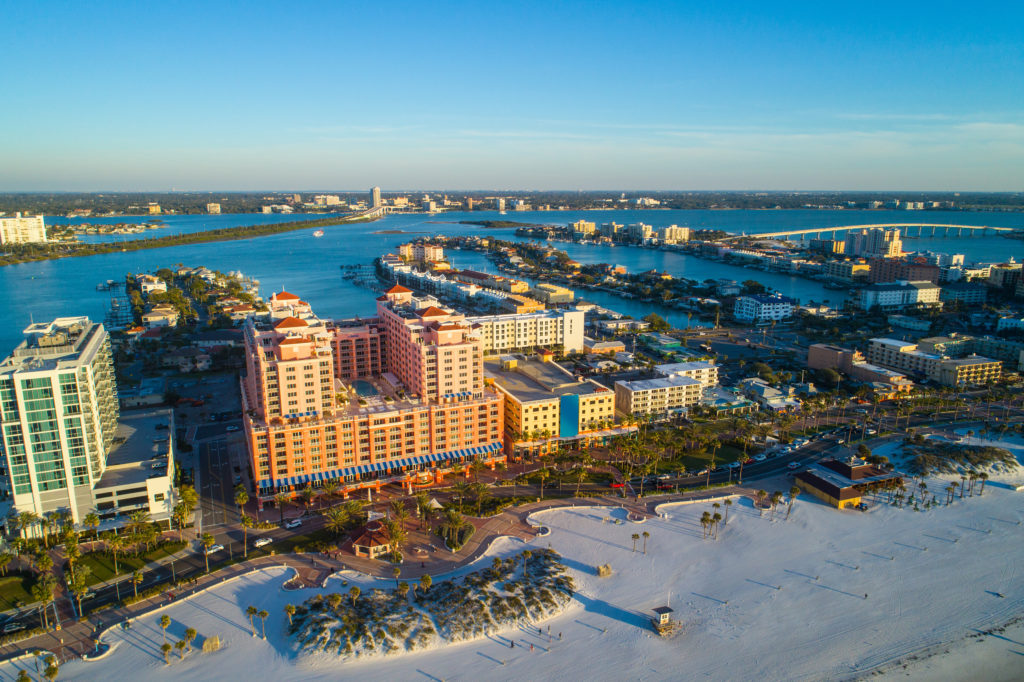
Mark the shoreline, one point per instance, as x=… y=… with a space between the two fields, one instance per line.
x=32 y=253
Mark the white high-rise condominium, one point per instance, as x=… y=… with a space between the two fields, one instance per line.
x=58 y=412
x=22 y=229
x=375 y=197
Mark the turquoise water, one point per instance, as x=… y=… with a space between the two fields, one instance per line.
x=364 y=388
x=309 y=266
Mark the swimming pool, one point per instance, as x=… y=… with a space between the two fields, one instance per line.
x=364 y=388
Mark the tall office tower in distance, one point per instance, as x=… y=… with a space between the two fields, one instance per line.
x=375 y=197
x=59 y=413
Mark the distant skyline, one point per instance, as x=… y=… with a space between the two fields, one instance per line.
x=542 y=96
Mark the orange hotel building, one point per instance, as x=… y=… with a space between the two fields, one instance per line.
x=396 y=398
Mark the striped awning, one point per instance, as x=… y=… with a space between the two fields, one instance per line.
x=388 y=465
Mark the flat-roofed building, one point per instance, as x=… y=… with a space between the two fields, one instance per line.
x=897 y=295
x=59 y=412
x=704 y=372
x=529 y=331
x=22 y=229
x=847 y=270
x=906 y=357
x=673 y=234
x=843 y=483
x=545 y=405
x=213 y=208
x=660 y=396
x=759 y=308
x=553 y=294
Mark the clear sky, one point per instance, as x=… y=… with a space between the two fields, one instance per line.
x=512 y=95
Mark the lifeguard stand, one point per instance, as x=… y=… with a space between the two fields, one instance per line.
x=662 y=621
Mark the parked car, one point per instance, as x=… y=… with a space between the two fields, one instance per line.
x=262 y=542
x=734 y=465
x=662 y=477
x=294 y=523
x=793 y=465
x=231 y=427
x=760 y=458
x=616 y=484
x=215 y=548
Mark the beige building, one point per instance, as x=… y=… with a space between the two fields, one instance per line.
x=525 y=332
x=673 y=234
x=947 y=371
x=213 y=209
x=22 y=229
x=659 y=396
x=553 y=294
x=704 y=372
x=583 y=228
x=847 y=270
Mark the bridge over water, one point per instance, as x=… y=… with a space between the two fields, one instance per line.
x=936 y=230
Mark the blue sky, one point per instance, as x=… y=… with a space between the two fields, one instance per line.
x=545 y=95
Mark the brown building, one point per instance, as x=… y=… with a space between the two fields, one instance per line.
x=893 y=269
x=842 y=483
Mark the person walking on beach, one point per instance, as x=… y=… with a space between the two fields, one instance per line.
x=531 y=648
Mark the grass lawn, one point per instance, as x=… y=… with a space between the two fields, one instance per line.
x=14 y=589
x=102 y=564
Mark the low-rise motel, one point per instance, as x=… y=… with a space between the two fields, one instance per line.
x=396 y=398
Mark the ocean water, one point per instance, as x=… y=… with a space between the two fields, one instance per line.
x=310 y=267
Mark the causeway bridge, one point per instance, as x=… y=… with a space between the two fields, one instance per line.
x=926 y=230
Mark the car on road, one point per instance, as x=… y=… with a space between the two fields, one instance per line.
x=214 y=548
x=665 y=486
x=616 y=484
x=294 y=523
x=760 y=458
x=793 y=465
x=664 y=477
x=231 y=427
x=734 y=465
x=262 y=542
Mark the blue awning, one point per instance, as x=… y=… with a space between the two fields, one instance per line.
x=387 y=465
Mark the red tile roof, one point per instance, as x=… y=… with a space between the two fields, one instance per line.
x=285 y=296
x=291 y=322
x=432 y=311
x=398 y=289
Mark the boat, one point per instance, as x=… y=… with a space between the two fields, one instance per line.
x=318 y=233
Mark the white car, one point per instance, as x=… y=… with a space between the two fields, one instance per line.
x=794 y=465
x=294 y=523
x=262 y=542
x=734 y=465
x=215 y=548
x=760 y=458
x=232 y=427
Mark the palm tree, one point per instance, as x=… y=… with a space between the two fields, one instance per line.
x=241 y=497
x=43 y=591
x=190 y=636
x=263 y=620
x=180 y=514
x=92 y=522
x=180 y=646
x=334 y=600
x=760 y=495
x=246 y=522
x=208 y=541
x=252 y=612
x=281 y=499
x=136 y=579
x=166 y=649
x=984 y=477
x=526 y=557
x=776 y=498
x=5 y=559
x=165 y=622
x=480 y=493
x=329 y=488
x=27 y=520
x=793 y=492
x=716 y=519
x=461 y=490
x=425 y=582
x=728 y=503
x=705 y=521
x=290 y=610
x=336 y=520
x=395 y=572
x=354 y=594
x=402 y=589
x=423 y=508
x=635 y=536
x=543 y=474
x=308 y=495
x=646 y=535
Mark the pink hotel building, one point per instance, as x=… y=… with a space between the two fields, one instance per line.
x=400 y=397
